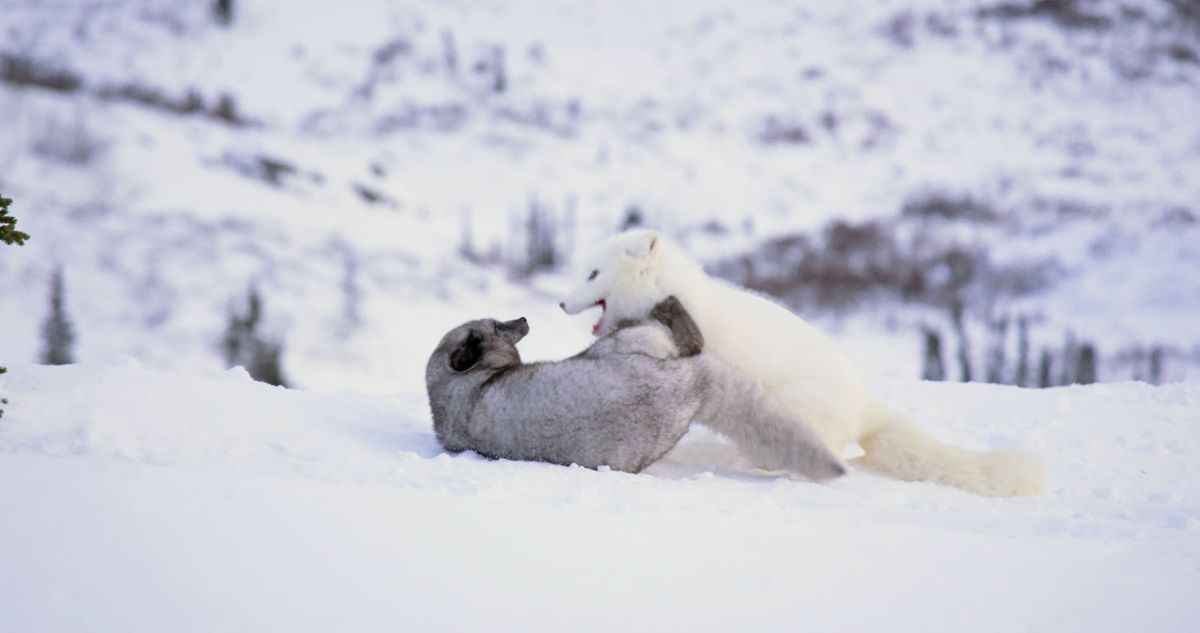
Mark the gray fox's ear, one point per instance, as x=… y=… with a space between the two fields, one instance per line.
x=643 y=245
x=466 y=355
x=514 y=330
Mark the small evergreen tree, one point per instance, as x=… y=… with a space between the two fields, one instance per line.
x=58 y=336
x=1045 y=367
x=1069 y=372
x=996 y=360
x=8 y=225
x=227 y=110
x=466 y=240
x=1085 y=365
x=538 y=236
x=244 y=345
x=1156 y=365
x=541 y=252
x=634 y=218
x=499 y=76
x=1138 y=360
x=957 y=317
x=1022 y=377
x=351 y=292
x=265 y=365
x=223 y=12
x=934 y=368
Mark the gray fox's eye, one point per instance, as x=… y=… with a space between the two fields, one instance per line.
x=593 y=275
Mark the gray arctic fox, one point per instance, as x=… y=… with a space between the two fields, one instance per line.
x=621 y=403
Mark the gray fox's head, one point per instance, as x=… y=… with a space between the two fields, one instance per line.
x=483 y=344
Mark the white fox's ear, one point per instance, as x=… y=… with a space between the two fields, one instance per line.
x=642 y=245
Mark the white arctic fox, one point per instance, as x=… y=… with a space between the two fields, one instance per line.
x=627 y=274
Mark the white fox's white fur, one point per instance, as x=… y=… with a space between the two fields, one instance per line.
x=627 y=274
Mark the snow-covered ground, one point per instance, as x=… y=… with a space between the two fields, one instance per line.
x=142 y=500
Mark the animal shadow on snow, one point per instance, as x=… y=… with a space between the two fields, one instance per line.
x=702 y=451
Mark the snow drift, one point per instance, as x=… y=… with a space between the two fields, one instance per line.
x=138 y=500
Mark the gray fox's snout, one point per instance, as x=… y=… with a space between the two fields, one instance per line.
x=515 y=329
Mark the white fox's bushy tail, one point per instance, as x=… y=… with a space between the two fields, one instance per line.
x=894 y=446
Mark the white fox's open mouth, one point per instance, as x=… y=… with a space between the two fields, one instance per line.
x=600 y=323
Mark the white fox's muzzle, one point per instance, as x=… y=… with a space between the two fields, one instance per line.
x=574 y=308
x=587 y=292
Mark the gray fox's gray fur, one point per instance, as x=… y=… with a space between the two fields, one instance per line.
x=623 y=402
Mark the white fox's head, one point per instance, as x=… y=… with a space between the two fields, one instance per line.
x=621 y=276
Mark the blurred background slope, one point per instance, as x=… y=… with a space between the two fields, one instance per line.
x=1008 y=190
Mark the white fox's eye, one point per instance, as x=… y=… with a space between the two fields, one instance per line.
x=593 y=275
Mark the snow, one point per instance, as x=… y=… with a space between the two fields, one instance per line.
x=142 y=500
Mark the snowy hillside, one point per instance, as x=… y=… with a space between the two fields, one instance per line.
x=380 y=171
x=371 y=166
x=138 y=500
